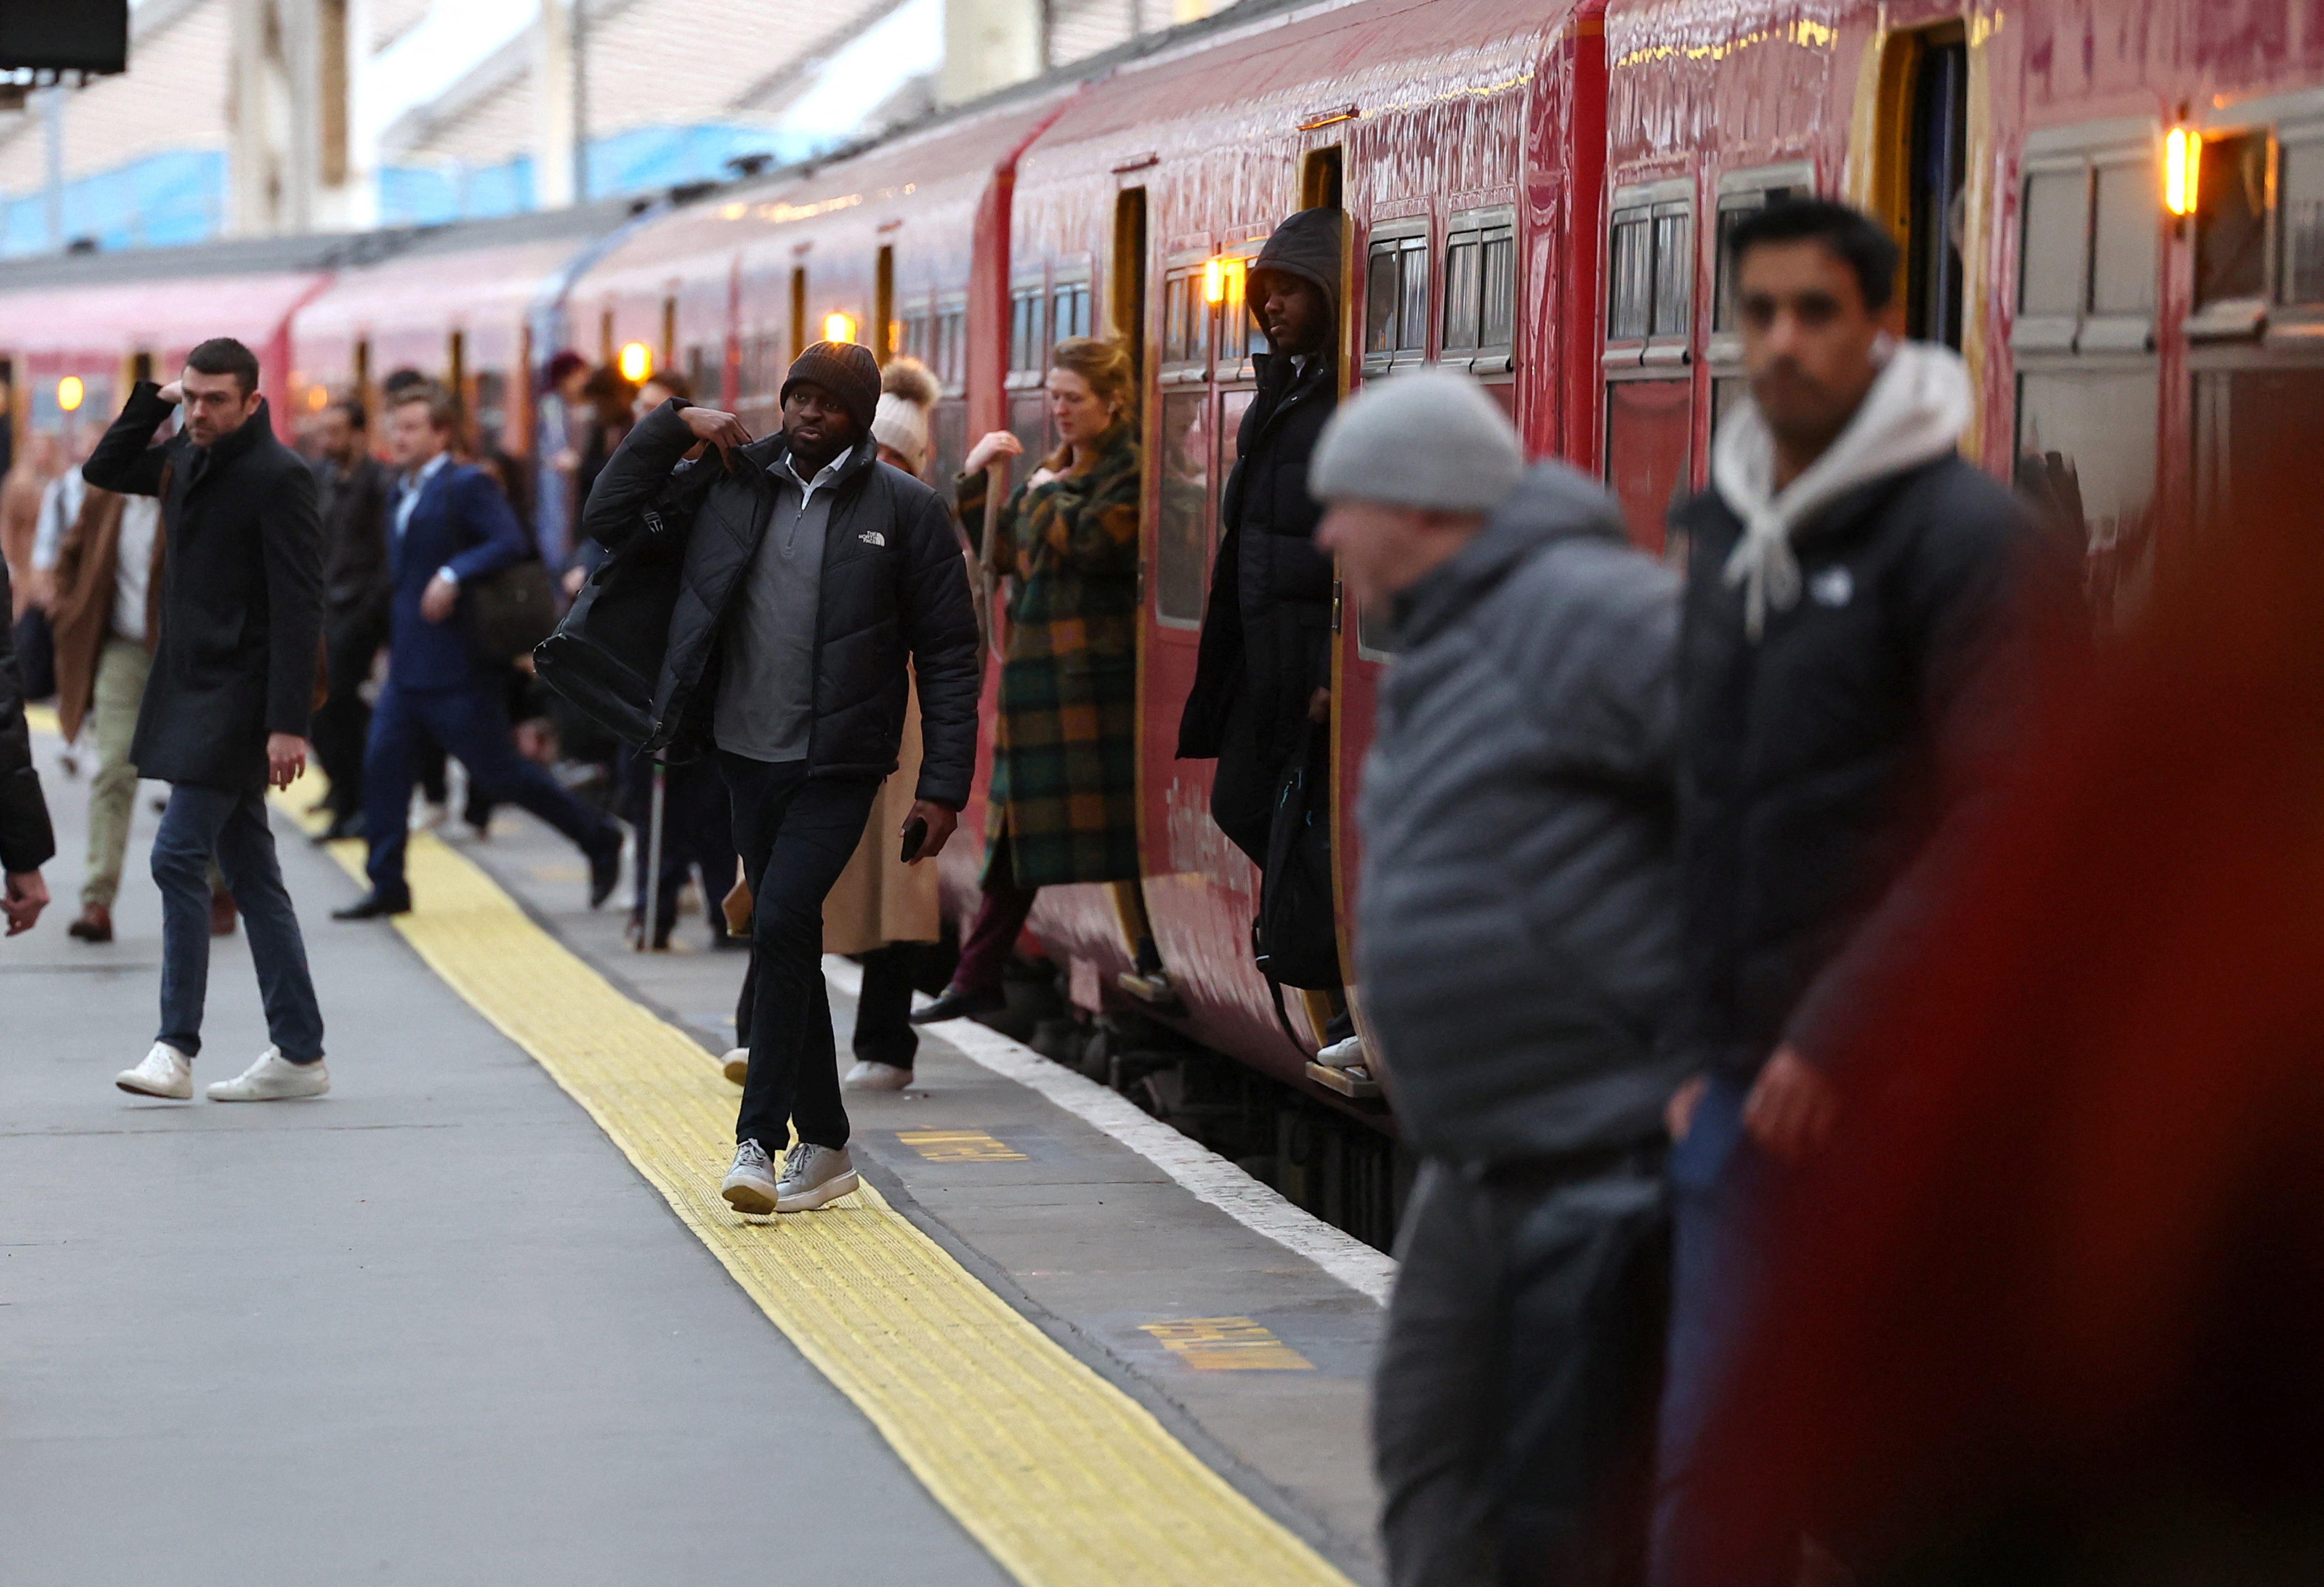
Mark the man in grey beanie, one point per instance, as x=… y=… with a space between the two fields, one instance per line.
x=1516 y=943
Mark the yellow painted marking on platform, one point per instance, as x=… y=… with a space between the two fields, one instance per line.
x=959 y=1146
x=1063 y=1478
x=1227 y=1344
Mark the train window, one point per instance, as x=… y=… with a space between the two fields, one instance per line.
x=1027 y=350
x=2086 y=446
x=1674 y=300
x=2052 y=271
x=1069 y=310
x=1185 y=320
x=1240 y=336
x=1183 y=548
x=1632 y=285
x=2122 y=241
x=2231 y=219
x=2300 y=213
x=952 y=347
x=1480 y=286
x=1396 y=300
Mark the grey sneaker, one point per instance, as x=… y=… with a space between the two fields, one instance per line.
x=272 y=1079
x=749 y=1184
x=164 y=1072
x=814 y=1176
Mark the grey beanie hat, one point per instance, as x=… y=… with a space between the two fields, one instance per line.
x=1431 y=439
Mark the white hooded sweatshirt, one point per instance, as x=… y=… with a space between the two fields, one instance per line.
x=1916 y=412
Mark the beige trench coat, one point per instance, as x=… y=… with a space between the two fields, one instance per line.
x=878 y=899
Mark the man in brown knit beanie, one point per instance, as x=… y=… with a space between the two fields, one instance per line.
x=819 y=575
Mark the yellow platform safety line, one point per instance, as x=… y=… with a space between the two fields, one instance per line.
x=1063 y=1478
x=1227 y=1344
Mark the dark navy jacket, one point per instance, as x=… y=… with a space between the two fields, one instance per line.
x=461 y=521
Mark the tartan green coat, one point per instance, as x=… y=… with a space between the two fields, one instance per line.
x=1064 y=745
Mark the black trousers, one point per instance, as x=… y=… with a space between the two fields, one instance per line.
x=884 y=1033
x=1243 y=788
x=796 y=833
x=341 y=726
x=697 y=832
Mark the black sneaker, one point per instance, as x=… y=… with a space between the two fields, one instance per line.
x=956 y=1004
x=373 y=907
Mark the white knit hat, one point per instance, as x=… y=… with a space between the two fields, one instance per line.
x=900 y=423
x=1431 y=439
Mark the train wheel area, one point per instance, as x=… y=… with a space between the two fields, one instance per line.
x=433 y=1327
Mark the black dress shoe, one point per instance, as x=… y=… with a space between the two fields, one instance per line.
x=372 y=907
x=604 y=873
x=960 y=1005
x=341 y=828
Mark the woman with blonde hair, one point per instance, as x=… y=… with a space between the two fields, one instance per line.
x=1064 y=796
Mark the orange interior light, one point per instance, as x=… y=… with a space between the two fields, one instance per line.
x=71 y=393
x=1214 y=281
x=2182 y=163
x=838 y=327
x=636 y=363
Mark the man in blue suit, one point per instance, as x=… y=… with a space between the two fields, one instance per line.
x=449 y=525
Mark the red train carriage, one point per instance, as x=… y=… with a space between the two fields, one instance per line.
x=1448 y=133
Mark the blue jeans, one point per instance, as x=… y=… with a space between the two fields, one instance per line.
x=197 y=824
x=1720 y=1183
x=472 y=725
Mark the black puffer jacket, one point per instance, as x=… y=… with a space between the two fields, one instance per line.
x=641 y=648
x=1817 y=763
x=26 y=840
x=1267 y=625
x=1518 y=939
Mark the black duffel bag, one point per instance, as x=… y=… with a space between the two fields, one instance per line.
x=509 y=611
x=1296 y=937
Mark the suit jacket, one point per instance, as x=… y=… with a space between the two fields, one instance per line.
x=461 y=521
x=242 y=595
x=81 y=615
x=354 y=508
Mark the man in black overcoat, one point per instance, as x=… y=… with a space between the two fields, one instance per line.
x=224 y=715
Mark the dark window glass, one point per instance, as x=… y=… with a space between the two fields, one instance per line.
x=1497 y=319
x=1630 y=282
x=2300 y=209
x=1070 y=310
x=1674 y=275
x=2050 y=273
x=1462 y=279
x=2085 y=444
x=1029 y=421
x=2231 y=219
x=1183 y=548
x=2122 y=241
x=1731 y=212
x=1383 y=297
x=1412 y=312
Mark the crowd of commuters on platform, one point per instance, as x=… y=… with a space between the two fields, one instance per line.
x=1649 y=843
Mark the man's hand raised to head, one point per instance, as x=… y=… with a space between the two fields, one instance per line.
x=722 y=431
x=174 y=392
x=286 y=758
x=941 y=820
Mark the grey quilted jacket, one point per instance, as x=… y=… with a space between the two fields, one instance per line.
x=1516 y=936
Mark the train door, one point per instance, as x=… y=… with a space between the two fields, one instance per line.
x=1919 y=171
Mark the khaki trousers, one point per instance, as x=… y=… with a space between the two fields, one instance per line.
x=121 y=673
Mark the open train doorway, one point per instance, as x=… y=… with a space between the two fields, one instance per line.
x=1921 y=175
x=1126 y=276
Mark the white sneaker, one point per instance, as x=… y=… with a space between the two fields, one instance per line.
x=749 y=1184
x=274 y=1078
x=1342 y=1054
x=869 y=1075
x=814 y=1176
x=164 y=1072
x=737 y=1064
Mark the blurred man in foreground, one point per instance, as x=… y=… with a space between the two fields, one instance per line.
x=1517 y=946
x=354 y=488
x=1846 y=573
x=26 y=840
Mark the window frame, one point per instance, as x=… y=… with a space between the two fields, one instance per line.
x=1483 y=358
x=951 y=371
x=1397 y=237
x=2087 y=148
x=1741 y=192
x=1657 y=355
x=2295 y=119
x=1182 y=270
x=2291 y=133
x=1073 y=281
x=1234 y=309
x=1033 y=286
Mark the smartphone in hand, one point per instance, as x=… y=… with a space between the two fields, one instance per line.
x=916 y=836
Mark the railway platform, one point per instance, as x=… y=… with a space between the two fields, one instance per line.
x=479 y=1315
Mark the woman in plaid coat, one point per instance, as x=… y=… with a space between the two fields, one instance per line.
x=1064 y=796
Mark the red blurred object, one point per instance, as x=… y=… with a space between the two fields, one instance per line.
x=2054 y=1310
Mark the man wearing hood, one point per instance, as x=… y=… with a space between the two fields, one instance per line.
x=1847 y=573
x=1517 y=945
x=1265 y=659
